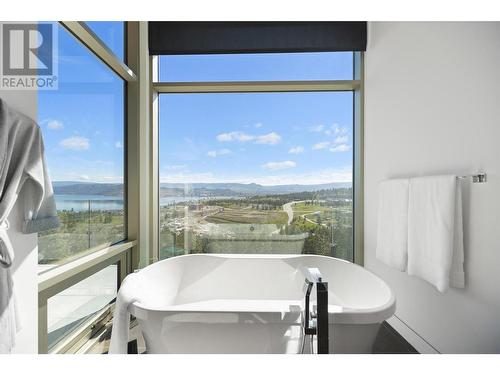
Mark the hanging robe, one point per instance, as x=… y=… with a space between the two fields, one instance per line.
x=23 y=176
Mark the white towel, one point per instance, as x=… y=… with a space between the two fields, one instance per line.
x=435 y=233
x=130 y=292
x=392 y=227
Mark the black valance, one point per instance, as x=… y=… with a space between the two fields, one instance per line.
x=183 y=38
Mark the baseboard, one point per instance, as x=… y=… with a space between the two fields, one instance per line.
x=411 y=336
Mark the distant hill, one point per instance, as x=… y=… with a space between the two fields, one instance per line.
x=196 y=189
x=87 y=188
x=256 y=189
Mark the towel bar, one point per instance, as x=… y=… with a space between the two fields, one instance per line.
x=476 y=178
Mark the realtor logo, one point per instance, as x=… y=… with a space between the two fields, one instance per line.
x=28 y=56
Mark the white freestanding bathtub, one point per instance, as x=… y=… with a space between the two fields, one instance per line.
x=253 y=304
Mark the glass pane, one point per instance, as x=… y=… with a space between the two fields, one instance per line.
x=74 y=306
x=112 y=33
x=257 y=67
x=83 y=127
x=256 y=173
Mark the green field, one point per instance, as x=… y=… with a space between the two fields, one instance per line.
x=79 y=232
x=323 y=214
x=301 y=209
x=327 y=221
x=249 y=216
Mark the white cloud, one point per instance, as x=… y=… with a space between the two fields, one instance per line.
x=340 y=130
x=188 y=178
x=340 y=148
x=175 y=167
x=296 y=150
x=76 y=143
x=341 y=139
x=88 y=178
x=107 y=163
x=313 y=177
x=105 y=178
x=322 y=176
x=320 y=145
x=118 y=144
x=234 y=136
x=336 y=129
x=277 y=165
x=258 y=125
x=215 y=153
x=317 y=128
x=55 y=125
x=268 y=139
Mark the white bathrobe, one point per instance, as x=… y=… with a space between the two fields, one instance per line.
x=23 y=173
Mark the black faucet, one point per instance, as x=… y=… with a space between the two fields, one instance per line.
x=317 y=323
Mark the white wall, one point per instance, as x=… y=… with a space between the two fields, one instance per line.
x=432 y=105
x=25 y=246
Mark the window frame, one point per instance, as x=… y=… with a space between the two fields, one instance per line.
x=121 y=253
x=356 y=85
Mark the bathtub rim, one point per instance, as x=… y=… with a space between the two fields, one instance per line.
x=369 y=315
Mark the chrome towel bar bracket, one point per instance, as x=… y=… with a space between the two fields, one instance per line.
x=476 y=178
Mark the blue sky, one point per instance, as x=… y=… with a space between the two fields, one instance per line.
x=267 y=138
x=82 y=121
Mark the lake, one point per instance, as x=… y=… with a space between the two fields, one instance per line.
x=81 y=202
x=76 y=202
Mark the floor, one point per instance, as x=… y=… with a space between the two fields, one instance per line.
x=388 y=341
x=136 y=343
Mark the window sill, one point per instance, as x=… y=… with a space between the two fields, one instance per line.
x=63 y=273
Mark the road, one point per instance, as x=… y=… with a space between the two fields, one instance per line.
x=287 y=207
x=309 y=220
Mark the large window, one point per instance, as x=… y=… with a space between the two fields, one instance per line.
x=257 y=67
x=112 y=34
x=83 y=125
x=256 y=172
x=83 y=128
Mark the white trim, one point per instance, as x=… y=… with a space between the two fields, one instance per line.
x=358 y=162
x=58 y=275
x=139 y=143
x=154 y=187
x=255 y=86
x=90 y=40
x=417 y=341
x=64 y=276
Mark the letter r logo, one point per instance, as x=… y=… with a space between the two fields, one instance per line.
x=27 y=49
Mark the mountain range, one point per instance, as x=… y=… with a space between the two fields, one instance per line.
x=196 y=189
